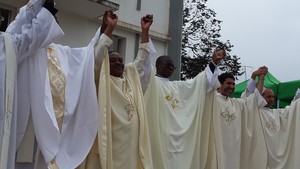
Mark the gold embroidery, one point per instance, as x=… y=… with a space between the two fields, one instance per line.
x=130 y=111
x=228 y=117
x=58 y=84
x=52 y=164
x=172 y=100
x=271 y=124
x=128 y=93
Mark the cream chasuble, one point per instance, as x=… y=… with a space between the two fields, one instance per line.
x=7 y=89
x=178 y=124
x=123 y=132
x=281 y=131
x=238 y=133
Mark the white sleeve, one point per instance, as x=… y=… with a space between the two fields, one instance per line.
x=212 y=78
x=297 y=95
x=103 y=43
x=251 y=86
x=260 y=99
x=33 y=8
x=141 y=63
x=42 y=31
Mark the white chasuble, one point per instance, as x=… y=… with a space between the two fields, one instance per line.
x=67 y=147
x=178 y=126
x=123 y=134
x=26 y=42
x=238 y=134
x=281 y=131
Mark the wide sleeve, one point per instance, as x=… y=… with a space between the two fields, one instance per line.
x=141 y=61
x=212 y=78
x=100 y=48
x=251 y=86
x=103 y=43
x=297 y=95
x=42 y=31
x=33 y=8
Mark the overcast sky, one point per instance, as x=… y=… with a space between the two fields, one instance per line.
x=263 y=32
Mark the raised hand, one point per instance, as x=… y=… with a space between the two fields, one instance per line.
x=218 y=55
x=146 y=22
x=260 y=72
x=110 y=20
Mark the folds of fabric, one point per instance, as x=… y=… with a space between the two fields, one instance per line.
x=281 y=131
x=23 y=31
x=70 y=146
x=109 y=108
x=8 y=101
x=238 y=135
x=175 y=118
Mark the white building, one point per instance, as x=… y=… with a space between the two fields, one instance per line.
x=81 y=18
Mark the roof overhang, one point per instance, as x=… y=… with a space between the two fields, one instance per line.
x=91 y=9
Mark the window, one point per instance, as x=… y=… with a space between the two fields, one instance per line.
x=119 y=45
x=5 y=14
x=8 y=13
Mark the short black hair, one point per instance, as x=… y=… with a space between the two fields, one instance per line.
x=161 y=58
x=224 y=76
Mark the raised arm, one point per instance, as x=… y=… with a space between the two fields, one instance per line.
x=252 y=85
x=212 y=68
x=109 y=23
x=39 y=33
x=144 y=51
x=262 y=71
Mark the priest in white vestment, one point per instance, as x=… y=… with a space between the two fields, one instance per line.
x=178 y=124
x=19 y=44
x=238 y=133
x=57 y=87
x=281 y=130
x=123 y=141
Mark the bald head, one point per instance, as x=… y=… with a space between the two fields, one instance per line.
x=269 y=96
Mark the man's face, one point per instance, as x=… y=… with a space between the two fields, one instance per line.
x=165 y=68
x=116 y=65
x=269 y=97
x=227 y=88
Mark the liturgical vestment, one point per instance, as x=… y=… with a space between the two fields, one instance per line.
x=238 y=133
x=58 y=88
x=123 y=141
x=281 y=130
x=178 y=126
x=26 y=41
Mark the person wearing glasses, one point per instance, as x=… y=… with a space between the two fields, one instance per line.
x=175 y=114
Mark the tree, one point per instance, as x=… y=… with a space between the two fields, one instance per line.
x=200 y=36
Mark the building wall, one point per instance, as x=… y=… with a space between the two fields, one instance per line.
x=159 y=8
x=80 y=30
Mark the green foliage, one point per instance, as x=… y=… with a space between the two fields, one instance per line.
x=200 y=36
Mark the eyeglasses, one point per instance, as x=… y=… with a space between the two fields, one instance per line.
x=171 y=65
